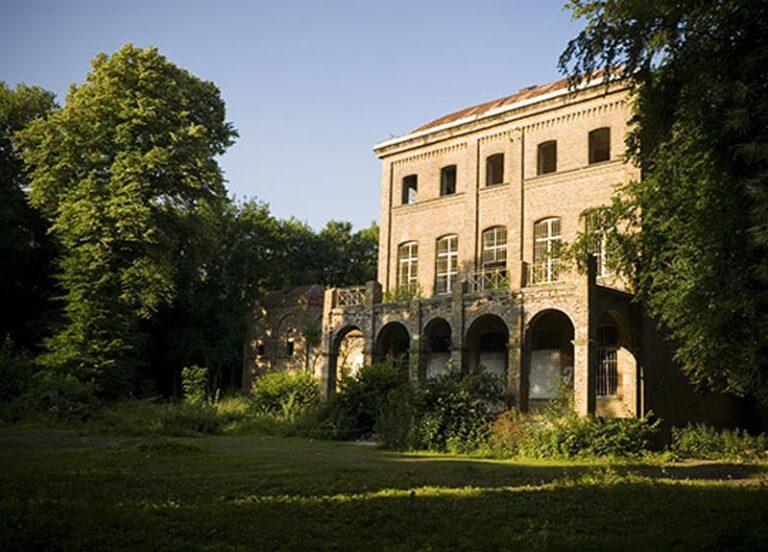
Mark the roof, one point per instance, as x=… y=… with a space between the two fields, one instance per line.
x=523 y=94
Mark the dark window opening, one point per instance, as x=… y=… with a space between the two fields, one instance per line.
x=599 y=145
x=260 y=350
x=410 y=186
x=289 y=348
x=494 y=169
x=607 y=361
x=495 y=341
x=448 y=180
x=547 y=157
x=440 y=343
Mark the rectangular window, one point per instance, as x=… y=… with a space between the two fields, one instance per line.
x=599 y=145
x=289 y=347
x=446 y=264
x=546 y=158
x=495 y=248
x=448 y=180
x=546 y=251
x=408 y=266
x=598 y=246
x=494 y=169
x=410 y=186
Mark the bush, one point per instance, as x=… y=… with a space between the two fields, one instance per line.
x=58 y=397
x=352 y=412
x=288 y=394
x=194 y=382
x=17 y=369
x=705 y=442
x=143 y=417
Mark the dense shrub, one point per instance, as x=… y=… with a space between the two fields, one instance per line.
x=288 y=394
x=705 y=442
x=352 y=412
x=58 y=397
x=177 y=418
x=194 y=382
x=16 y=371
x=456 y=411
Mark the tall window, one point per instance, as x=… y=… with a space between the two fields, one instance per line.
x=607 y=360
x=546 y=157
x=599 y=145
x=598 y=246
x=546 y=250
x=494 y=169
x=408 y=266
x=448 y=180
x=410 y=186
x=495 y=248
x=446 y=263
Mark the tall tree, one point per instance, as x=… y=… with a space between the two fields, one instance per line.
x=693 y=233
x=26 y=251
x=131 y=154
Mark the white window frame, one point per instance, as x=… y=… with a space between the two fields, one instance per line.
x=445 y=277
x=408 y=266
x=494 y=250
x=547 y=269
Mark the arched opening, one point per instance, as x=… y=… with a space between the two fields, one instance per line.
x=347 y=356
x=616 y=368
x=393 y=342
x=487 y=345
x=550 y=357
x=435 y=350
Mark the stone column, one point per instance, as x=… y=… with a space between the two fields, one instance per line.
x=414 y=352
x=584 y=341
x=327 y=354
x=515 y=356
x=457 y=326
x=372 y=298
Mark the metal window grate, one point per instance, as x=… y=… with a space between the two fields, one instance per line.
x=607 y=361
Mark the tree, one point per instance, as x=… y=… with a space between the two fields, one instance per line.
x=693 y=233
x=26 y=251
x=122 y=171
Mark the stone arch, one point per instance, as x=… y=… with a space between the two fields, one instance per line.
x=487 y=345
x=549 y=356
x=393 y=342
x=347 y=355
x=616 y=373
x=434 y=348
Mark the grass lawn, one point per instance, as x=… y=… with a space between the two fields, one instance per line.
x=63 y=490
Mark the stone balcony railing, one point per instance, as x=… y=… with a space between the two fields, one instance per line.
x=350 y=296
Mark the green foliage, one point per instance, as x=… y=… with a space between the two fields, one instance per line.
x=456 y=411
x=194 y=382
x=132 y=151
x=288 y=394
x=700 y=136
x=58 y=397
x=175 y=418
x=26 y=251
x=705 y=442
x=353 y=410
x=401 y=294
x=16 y=371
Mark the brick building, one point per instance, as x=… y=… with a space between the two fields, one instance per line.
x=474 y=209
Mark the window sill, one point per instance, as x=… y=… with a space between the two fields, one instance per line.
x=602 y=164
x=430 y=201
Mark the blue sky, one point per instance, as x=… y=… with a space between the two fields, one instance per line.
x=310 y=85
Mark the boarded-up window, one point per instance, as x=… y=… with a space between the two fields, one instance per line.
x=494 y=169
x=410 y=186
x=448 y=180
x=446 y=263
x=599 y=145
x=408 y=266
x=495 y=248
x=546 y=157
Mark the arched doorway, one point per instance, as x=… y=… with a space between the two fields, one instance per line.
x=393 y=342
x=487 y=345
x=550 y=357
x=435 y=350
x=347 y=356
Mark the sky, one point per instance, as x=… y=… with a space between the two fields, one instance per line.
x=310 y=86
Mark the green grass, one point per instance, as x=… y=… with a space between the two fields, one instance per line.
x=65 y=490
